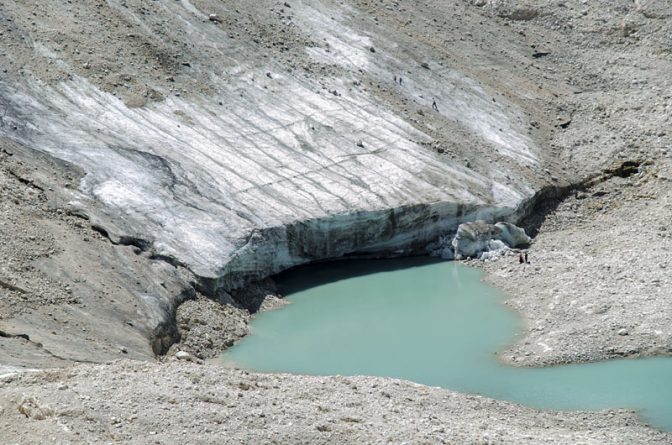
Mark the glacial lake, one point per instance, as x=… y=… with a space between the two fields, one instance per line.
x=434 y=323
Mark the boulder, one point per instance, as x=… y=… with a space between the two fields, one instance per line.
x=183 y=355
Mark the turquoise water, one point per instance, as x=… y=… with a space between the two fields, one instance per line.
x=434 y=323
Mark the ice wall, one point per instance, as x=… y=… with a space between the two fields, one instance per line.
x=273 y=169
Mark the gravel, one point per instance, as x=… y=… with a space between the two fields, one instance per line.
x=597 y=286
x=145 y=403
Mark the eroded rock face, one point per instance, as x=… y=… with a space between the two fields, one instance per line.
x=240 y=167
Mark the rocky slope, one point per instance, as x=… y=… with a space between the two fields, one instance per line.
x=597 y=286
x=66 y=293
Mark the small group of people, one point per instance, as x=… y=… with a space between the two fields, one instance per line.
x=435 y=107
x=523 y=259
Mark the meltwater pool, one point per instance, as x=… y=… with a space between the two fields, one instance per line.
x=434 y=323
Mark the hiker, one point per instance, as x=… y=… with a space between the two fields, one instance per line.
x=526 y=260
x=401 y=82
x=434 y=106
x=520 y=258
x=395 y=78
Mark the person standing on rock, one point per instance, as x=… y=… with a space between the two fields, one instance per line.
x=526 y=260
x=434 y=105
x=521 y=260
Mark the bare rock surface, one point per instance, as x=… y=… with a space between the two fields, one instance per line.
x=178 y=401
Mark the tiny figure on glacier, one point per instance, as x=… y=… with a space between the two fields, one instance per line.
x=434 y=106
x=526 y=260
x=521 y=260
